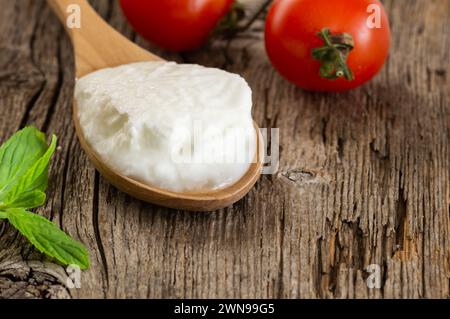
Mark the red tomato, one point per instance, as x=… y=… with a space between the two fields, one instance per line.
x=292 y=35
x=176 y=25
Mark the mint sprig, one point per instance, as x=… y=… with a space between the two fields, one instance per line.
x=24 y=160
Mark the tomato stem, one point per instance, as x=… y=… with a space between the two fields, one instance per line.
x=334 y=54
x=230 y=26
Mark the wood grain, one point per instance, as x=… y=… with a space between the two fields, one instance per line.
x=363 y=179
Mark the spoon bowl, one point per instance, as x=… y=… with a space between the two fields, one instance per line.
x=98 y=46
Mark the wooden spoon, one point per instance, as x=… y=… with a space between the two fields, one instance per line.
x=99 y=46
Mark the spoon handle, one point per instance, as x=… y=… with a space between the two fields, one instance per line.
x=96 y=44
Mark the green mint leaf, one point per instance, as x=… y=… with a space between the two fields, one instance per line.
x=24 y=161
x=35 y=178
x=19 y=153
x=31 y=199
x=48 y=238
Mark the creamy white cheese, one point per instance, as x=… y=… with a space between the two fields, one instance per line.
x=180 y=127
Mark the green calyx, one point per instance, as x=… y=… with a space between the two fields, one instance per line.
x=333 y=55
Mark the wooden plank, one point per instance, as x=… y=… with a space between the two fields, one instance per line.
x=363 y=179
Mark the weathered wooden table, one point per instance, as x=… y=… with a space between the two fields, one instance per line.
x=363 y=178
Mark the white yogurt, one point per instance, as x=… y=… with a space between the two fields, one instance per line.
x=180 y=127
